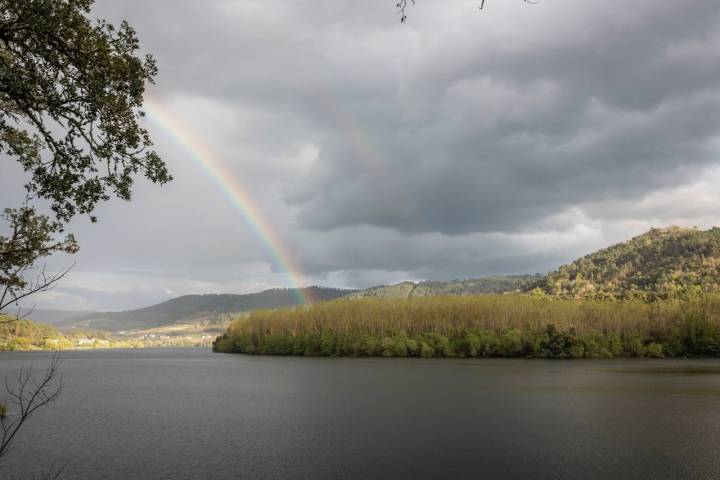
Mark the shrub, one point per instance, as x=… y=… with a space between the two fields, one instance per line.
x=426 y=351
x=469 y=345
x=510 y=344
x=654 y=350
x=441 y=345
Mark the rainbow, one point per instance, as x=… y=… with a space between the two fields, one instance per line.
x=236 y=194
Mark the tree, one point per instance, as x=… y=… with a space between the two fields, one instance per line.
x=31 y=238
x=71 y=93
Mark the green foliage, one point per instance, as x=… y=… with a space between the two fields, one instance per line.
x=482 y=326
x=31 y=237
x=28 y=335
x=662 y=264
x=654 y=350
x=557 y=344
x=3 y=410
x=70 y=94
x=71 y=90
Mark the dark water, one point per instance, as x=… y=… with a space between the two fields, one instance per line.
x=187 y=414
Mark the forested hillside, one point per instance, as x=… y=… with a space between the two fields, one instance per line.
x=29 y=335
x=197 y=308
x=478 y=286
x=660 y=264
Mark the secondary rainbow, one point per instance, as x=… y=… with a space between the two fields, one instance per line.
x=236 y=194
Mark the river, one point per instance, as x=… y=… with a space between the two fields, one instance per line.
x=190 y=414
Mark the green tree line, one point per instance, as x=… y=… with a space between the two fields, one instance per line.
x=482 y=326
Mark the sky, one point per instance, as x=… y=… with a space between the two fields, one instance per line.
x=462 y=143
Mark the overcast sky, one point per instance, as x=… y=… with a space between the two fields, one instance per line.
x=461 y=144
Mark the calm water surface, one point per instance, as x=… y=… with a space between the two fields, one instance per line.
x=188 y=414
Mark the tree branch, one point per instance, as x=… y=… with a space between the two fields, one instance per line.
x=29 y=395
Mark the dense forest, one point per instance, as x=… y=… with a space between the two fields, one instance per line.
x=660 y=264
x=482 y=326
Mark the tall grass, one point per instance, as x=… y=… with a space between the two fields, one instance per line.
x=485 y=326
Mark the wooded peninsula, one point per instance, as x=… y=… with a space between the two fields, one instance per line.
x=655 y=295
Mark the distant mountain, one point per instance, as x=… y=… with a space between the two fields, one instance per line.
x=196 y=308
x=660 y=264
x=479 y=286
x=211 y=308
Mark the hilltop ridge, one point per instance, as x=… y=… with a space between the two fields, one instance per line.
x=663 y=263
x=430 y=288
x=207 y=308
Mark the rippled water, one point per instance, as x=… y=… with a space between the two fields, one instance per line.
x=180 y=414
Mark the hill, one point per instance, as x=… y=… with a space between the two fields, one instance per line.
x=479 y=286
x=660 y=264
x=208 y=308
x=29 y=335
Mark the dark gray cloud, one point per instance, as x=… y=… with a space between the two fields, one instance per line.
x=508 y=138
x=461 y=144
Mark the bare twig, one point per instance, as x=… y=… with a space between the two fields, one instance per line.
x=402 y=6
x=42 y=283
x=27 y=395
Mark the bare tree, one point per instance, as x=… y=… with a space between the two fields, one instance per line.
x=28 y=394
